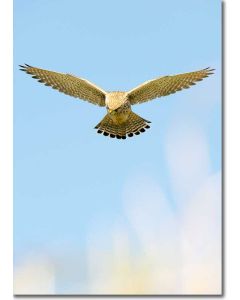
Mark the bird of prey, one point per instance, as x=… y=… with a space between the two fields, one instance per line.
x=120 y=121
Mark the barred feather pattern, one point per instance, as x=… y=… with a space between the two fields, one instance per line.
x=120 y=121
x=68 y=84
x=166 y=85
x=134 y=125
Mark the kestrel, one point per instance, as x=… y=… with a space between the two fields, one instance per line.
x=120 y=121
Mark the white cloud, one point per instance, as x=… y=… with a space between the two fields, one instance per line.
x=158 y=249
x=188 y=158
x=34 y=276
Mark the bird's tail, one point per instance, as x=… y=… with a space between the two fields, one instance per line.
x=134 y=125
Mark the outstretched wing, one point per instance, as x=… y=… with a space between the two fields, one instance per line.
x=166 y=85
x=68 y=84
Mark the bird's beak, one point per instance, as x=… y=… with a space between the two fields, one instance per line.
x=110 y=111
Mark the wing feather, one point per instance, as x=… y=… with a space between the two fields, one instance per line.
x=166 y=85
x=68 y=84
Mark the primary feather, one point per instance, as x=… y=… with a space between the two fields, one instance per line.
x=68 y=84
x=166 y=85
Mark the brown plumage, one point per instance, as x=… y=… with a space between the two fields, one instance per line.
x=120 y=121
x=133 y=125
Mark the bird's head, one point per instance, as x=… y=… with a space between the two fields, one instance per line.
x=114 y=102
x=113 y=111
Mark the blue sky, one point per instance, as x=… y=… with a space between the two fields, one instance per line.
x=67 y=178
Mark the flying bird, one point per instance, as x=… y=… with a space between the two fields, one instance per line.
x=120 y=121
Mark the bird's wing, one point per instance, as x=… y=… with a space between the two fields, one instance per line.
x=68 y=84
x=166 y=85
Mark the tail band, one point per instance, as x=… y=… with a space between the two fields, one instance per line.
x=134 y=125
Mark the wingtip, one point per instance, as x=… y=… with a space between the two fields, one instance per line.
x=24 y=67
x=209 y=69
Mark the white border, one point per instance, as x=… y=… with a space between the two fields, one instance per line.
x=6 y=150
x=232 y=151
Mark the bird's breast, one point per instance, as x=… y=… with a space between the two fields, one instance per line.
x=120 y=117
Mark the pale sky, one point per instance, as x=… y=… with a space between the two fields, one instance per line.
x=69 y=180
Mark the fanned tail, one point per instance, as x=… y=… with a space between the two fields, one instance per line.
x=133 y=126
